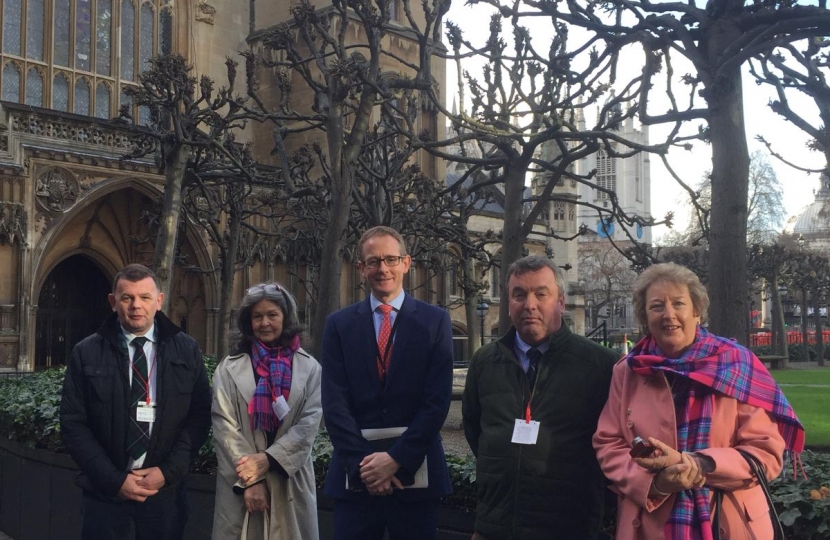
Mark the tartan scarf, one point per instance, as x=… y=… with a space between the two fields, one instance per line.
x=719 y=365
x=273 y=366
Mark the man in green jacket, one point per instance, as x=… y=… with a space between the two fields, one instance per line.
x=530 y=408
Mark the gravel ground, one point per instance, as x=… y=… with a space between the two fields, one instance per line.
x=453 y=434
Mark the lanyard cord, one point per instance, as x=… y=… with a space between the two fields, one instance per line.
x=146 y=382
x=388 y=349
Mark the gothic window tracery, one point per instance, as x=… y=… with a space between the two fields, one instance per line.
x=34 y=33
x=34 y=88
x=99 y=46
x=12 y=26
x=60 y=93
x=11 y=82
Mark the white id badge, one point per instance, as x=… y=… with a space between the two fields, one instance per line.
x=145 y=413
x=280 y=407
x=525 y=432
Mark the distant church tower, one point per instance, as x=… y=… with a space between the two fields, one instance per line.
x=629 y=178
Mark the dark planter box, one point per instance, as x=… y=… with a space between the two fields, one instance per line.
x=40 y=501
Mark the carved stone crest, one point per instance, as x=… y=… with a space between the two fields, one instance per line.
x=56 y=190
x=205 y=12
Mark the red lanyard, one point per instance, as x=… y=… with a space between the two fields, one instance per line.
x=146 y=381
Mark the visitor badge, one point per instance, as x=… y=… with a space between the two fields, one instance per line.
x=145 y=412
x=280 y=407
x=525 y=432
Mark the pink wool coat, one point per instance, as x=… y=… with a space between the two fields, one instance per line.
x=642 y=406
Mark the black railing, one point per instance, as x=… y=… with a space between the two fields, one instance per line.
x=599 y=334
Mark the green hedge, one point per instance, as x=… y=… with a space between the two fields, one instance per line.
x=30 y=407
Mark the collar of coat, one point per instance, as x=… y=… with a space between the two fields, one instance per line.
x=557 y=340
x=111 y=329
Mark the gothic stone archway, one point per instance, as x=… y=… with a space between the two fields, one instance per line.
x=71 y=305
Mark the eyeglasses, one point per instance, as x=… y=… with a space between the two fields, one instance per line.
x=390 y=260
x=267 y=288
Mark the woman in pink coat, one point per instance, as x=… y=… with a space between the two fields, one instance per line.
x=697 y=398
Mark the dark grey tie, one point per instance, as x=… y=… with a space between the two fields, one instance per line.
x=138 y=434
x=533 y=356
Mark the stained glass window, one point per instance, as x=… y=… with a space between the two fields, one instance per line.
x=34 y=34
x=11 y=82
x=145 y=44
x=166 y=32
x=127 y=40
x=83 y=33
x=34 y=88
x=103 y=37
x=81 y=97
x=88 y=46
x=102 y=101
x=62 y=24
x=12 y=18
x=60 y=93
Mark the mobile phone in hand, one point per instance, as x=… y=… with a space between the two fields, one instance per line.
x=641 y=448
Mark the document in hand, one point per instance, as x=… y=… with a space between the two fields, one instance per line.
x=382 y=439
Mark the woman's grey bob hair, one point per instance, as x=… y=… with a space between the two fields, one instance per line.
x=273 y=292
x=669 y=273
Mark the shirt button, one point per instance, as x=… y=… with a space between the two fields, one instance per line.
x=636 y=522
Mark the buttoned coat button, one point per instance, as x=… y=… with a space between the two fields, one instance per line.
x=636 y=523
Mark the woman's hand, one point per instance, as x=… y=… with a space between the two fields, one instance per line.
x=257 y=499
x=680 y=477
x=664 y=456
x=251 y=467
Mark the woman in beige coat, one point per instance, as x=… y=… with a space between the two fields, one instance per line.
x=266 y=413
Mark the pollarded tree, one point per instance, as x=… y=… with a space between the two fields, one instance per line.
x=608 y=278
x=532 y=93
x=186 y=120
x=800 y=69
x=335 y=54
x=717 y=38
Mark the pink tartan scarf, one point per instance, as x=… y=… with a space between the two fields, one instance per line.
x=717 y=365
x=273 y=366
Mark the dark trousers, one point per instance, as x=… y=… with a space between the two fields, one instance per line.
x=160 y=517
x=368 y=517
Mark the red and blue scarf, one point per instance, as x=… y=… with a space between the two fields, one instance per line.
x=718 y=365
x=273 y=367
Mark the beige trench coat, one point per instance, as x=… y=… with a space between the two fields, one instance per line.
x=293 y=513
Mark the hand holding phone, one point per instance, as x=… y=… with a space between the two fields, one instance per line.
x=641 y=448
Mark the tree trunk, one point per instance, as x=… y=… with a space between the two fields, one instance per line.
x=228 y=270
x=165 y=252
x=513 y=240
x=805 y=336
x=730 y=187
x=819 y=337
x=779 y=331
x=470 y=304
x=332 y=257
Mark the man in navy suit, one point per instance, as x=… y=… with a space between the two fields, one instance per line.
x=387 y=369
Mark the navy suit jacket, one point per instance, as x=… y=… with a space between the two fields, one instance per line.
x=416 y=394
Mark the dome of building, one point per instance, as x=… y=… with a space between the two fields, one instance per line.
x=814 y=221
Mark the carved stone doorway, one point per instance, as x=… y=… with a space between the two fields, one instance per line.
x=72 y=305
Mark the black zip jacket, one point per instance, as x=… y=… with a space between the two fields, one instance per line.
x=95 y=407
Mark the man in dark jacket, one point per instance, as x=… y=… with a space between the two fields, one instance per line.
x=530 y=408
x=135 y=409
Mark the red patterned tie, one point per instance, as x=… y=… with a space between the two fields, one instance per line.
x=383 y=339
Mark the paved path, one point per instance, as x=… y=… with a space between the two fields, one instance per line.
x=4 y=536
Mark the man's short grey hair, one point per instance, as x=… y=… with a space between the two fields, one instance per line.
x=534 y=263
